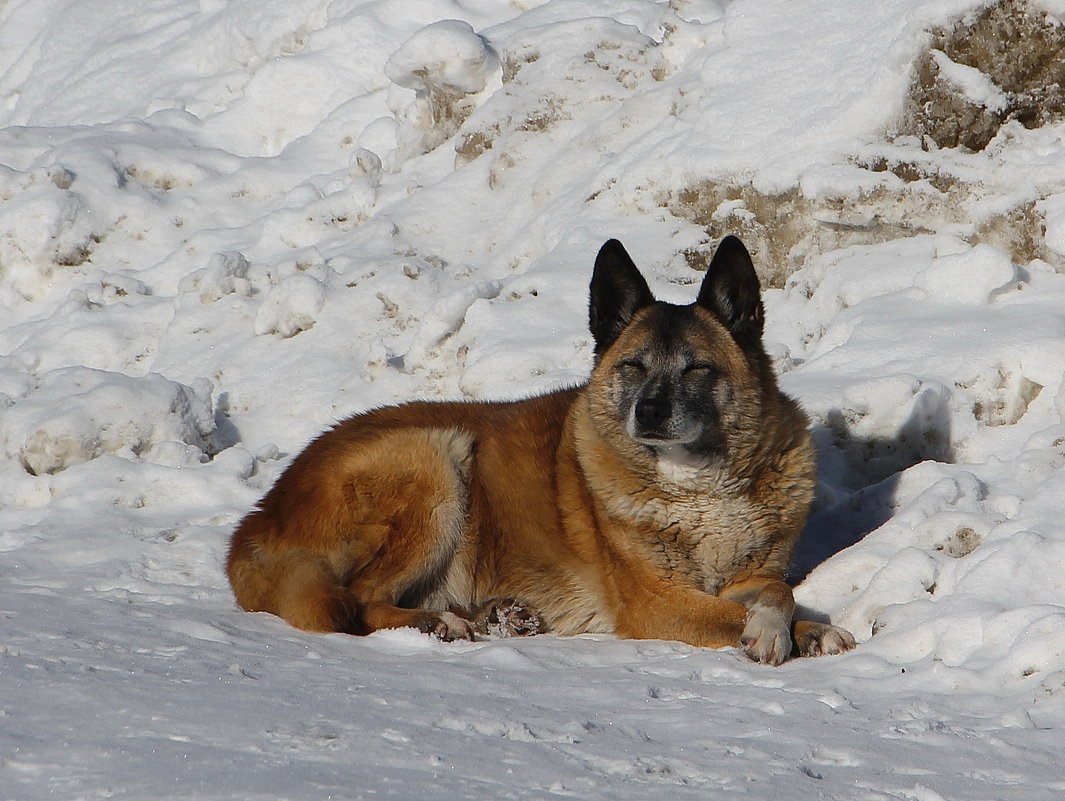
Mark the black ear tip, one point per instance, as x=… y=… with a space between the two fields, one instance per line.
x=733 y=257
x=613 y=256
x=731 y=245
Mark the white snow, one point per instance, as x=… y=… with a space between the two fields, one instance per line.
x=445 y=54
x=224 y=226
x=974 y=85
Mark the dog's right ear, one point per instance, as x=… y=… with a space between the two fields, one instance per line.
x=617 y=292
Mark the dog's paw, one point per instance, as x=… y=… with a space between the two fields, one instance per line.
x=509 y=617
x=447 y=626
x=765 y=638
x=821 y=639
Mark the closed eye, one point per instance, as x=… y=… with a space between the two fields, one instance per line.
x=699 y=368
x=632 y=364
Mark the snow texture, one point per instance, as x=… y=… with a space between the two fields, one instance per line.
x=226 y=225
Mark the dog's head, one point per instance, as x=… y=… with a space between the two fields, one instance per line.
x=679 y=380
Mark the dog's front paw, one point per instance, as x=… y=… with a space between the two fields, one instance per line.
x=446 y=626
x=509 y=617
x=765 y=638
x=821 y=639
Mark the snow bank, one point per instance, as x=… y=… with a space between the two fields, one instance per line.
x=100 y=412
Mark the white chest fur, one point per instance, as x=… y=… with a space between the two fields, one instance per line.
x=695 y=519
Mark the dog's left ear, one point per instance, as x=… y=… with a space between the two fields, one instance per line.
x=732 y=292
x=617 y=291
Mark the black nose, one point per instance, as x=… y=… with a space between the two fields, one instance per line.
x=652 y=412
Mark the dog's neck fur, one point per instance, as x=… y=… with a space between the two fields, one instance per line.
x=679 y=466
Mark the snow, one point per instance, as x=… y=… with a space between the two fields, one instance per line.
x=224 y=226
x=974 y=85
x=445 y=54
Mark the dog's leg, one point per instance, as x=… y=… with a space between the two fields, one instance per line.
x=297 y=585
x=413 y=495
x=766 y=635
x=770 y=634
x=666 y=611
x=301 y=587
x=755 y=615
x=445 y=626
x=356 y=529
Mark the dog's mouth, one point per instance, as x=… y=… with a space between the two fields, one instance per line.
x=658 y=437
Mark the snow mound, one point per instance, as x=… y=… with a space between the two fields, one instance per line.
x=447 y=55
x=443 y=63
x=973 y=277
x=225 y=274
x=49 y=228
x=103 y=412
x=291 y=307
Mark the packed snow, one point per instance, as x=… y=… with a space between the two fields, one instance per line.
x=226 y=225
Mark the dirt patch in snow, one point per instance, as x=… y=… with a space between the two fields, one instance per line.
x=1000 y=64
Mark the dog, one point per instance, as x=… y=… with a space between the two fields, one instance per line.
x=662 y=499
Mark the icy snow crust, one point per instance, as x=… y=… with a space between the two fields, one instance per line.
x=224 y=226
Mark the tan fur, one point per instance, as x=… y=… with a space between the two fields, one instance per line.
x=394 y=517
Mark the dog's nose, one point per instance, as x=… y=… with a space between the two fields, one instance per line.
x=652 y=412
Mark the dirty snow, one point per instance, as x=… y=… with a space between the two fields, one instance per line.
x=224 y=226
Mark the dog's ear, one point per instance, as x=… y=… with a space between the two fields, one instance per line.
x=732 y=292
x=616 y=292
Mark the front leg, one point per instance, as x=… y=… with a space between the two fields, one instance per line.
x=655 y=609
x=820 y=639
x=755 y=614
x=766 y=636
x=770 y=632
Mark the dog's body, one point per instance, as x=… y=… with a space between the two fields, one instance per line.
x=661 y=500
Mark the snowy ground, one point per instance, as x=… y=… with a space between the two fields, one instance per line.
x=225 y=225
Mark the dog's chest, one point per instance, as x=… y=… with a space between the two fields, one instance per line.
x=706 y=536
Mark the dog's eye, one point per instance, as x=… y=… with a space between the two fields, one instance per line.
x=632 y=364
x=698 y=368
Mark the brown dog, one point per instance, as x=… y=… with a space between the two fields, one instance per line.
x=661 y=500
